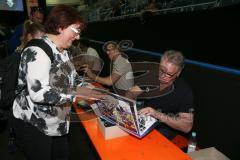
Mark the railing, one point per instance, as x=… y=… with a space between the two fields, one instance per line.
x=129 y=10
x=197 y=63
x=136 y=9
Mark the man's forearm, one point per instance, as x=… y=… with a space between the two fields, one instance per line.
x=104 y=80
x=177 y=122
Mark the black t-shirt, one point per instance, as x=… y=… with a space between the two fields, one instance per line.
x=179 y=100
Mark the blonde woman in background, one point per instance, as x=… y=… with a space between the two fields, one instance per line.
x=31 y=31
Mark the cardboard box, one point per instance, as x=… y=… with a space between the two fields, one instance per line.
x=208 y=154
x=110 y=132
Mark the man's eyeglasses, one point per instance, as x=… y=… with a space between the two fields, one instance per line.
x=76 y=31
x=109 y=49
x=163 y=73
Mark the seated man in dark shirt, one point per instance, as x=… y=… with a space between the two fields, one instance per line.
x=174 y=110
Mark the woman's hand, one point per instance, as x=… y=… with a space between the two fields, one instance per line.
x=133 y=92
x=89 y=94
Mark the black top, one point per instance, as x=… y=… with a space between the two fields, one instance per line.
x=179 y=100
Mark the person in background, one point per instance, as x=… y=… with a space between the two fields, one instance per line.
x=116 y=8
x=152 y=5
x=83 y=53
x=31 y=31
x=147 y=13
x=36 y=16
x=82 y=47
x=121 y=74
x=42 y=108
x=175 y=109
x=86 y=48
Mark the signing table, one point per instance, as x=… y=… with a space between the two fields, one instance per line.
x=153 y=146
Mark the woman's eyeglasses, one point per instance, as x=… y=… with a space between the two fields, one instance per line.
x=76 y=31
